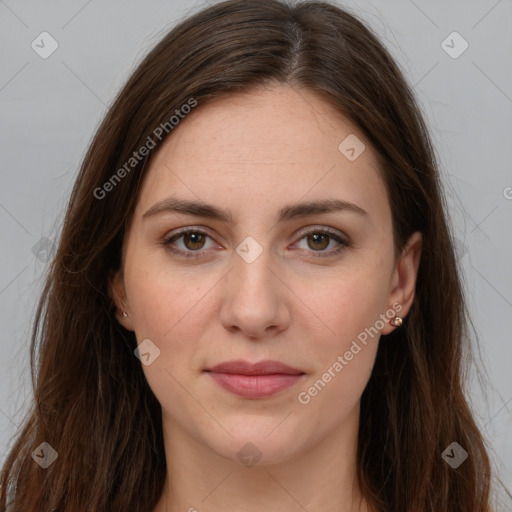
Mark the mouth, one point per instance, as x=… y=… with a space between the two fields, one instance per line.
x=254 y=380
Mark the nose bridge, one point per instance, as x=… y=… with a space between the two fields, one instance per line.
x=252 y=262
x=253 y=299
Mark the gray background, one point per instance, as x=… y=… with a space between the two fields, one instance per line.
x=51 y=108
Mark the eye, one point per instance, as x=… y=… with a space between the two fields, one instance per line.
x=319 y=239
x=194 y=242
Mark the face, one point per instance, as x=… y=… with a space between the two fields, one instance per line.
x=260 y=275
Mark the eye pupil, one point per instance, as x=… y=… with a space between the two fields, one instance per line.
x=197 y=240
x=319 y=238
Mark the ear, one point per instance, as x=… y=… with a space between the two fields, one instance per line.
x=117 y=293
x=403 y=283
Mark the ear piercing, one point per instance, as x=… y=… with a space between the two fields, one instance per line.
x=397 y=321
x=125 y=314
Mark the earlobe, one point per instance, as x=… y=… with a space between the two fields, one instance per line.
x=117 y=294
x=404 y=280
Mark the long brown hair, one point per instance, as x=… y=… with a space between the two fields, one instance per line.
x=92 y=403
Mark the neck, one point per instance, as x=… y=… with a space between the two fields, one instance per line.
x=321 y=477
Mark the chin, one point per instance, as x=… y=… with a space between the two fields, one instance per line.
x=253 y=444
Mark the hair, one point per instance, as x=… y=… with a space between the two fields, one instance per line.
x=92 y=403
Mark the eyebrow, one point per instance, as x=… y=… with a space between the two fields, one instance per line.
x=286 y=213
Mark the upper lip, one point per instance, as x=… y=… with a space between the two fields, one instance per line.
x=267 y=367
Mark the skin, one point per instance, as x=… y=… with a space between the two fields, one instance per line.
x=252 y=153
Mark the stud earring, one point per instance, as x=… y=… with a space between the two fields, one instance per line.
x=125 y=314
x=397 y=321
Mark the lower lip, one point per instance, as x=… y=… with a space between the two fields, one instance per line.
x=255 y=386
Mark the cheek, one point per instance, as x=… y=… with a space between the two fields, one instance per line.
x=349 y=306
x=161 y=300
x=166 y=310
x=169 y=311
x=346 y=305
x=345 y=355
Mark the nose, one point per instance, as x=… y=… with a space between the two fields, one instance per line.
x=255 y=300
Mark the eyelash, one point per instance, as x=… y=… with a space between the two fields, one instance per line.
x=166 y=242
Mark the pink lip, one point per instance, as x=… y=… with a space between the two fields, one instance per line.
x=258 y=380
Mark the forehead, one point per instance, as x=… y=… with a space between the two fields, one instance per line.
x=263 y=148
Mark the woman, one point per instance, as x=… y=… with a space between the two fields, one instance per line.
x=255 y=301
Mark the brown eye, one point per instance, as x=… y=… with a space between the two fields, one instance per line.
x=323 y=242
x=318 y=241
x=188 y=242
x=193 y=241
